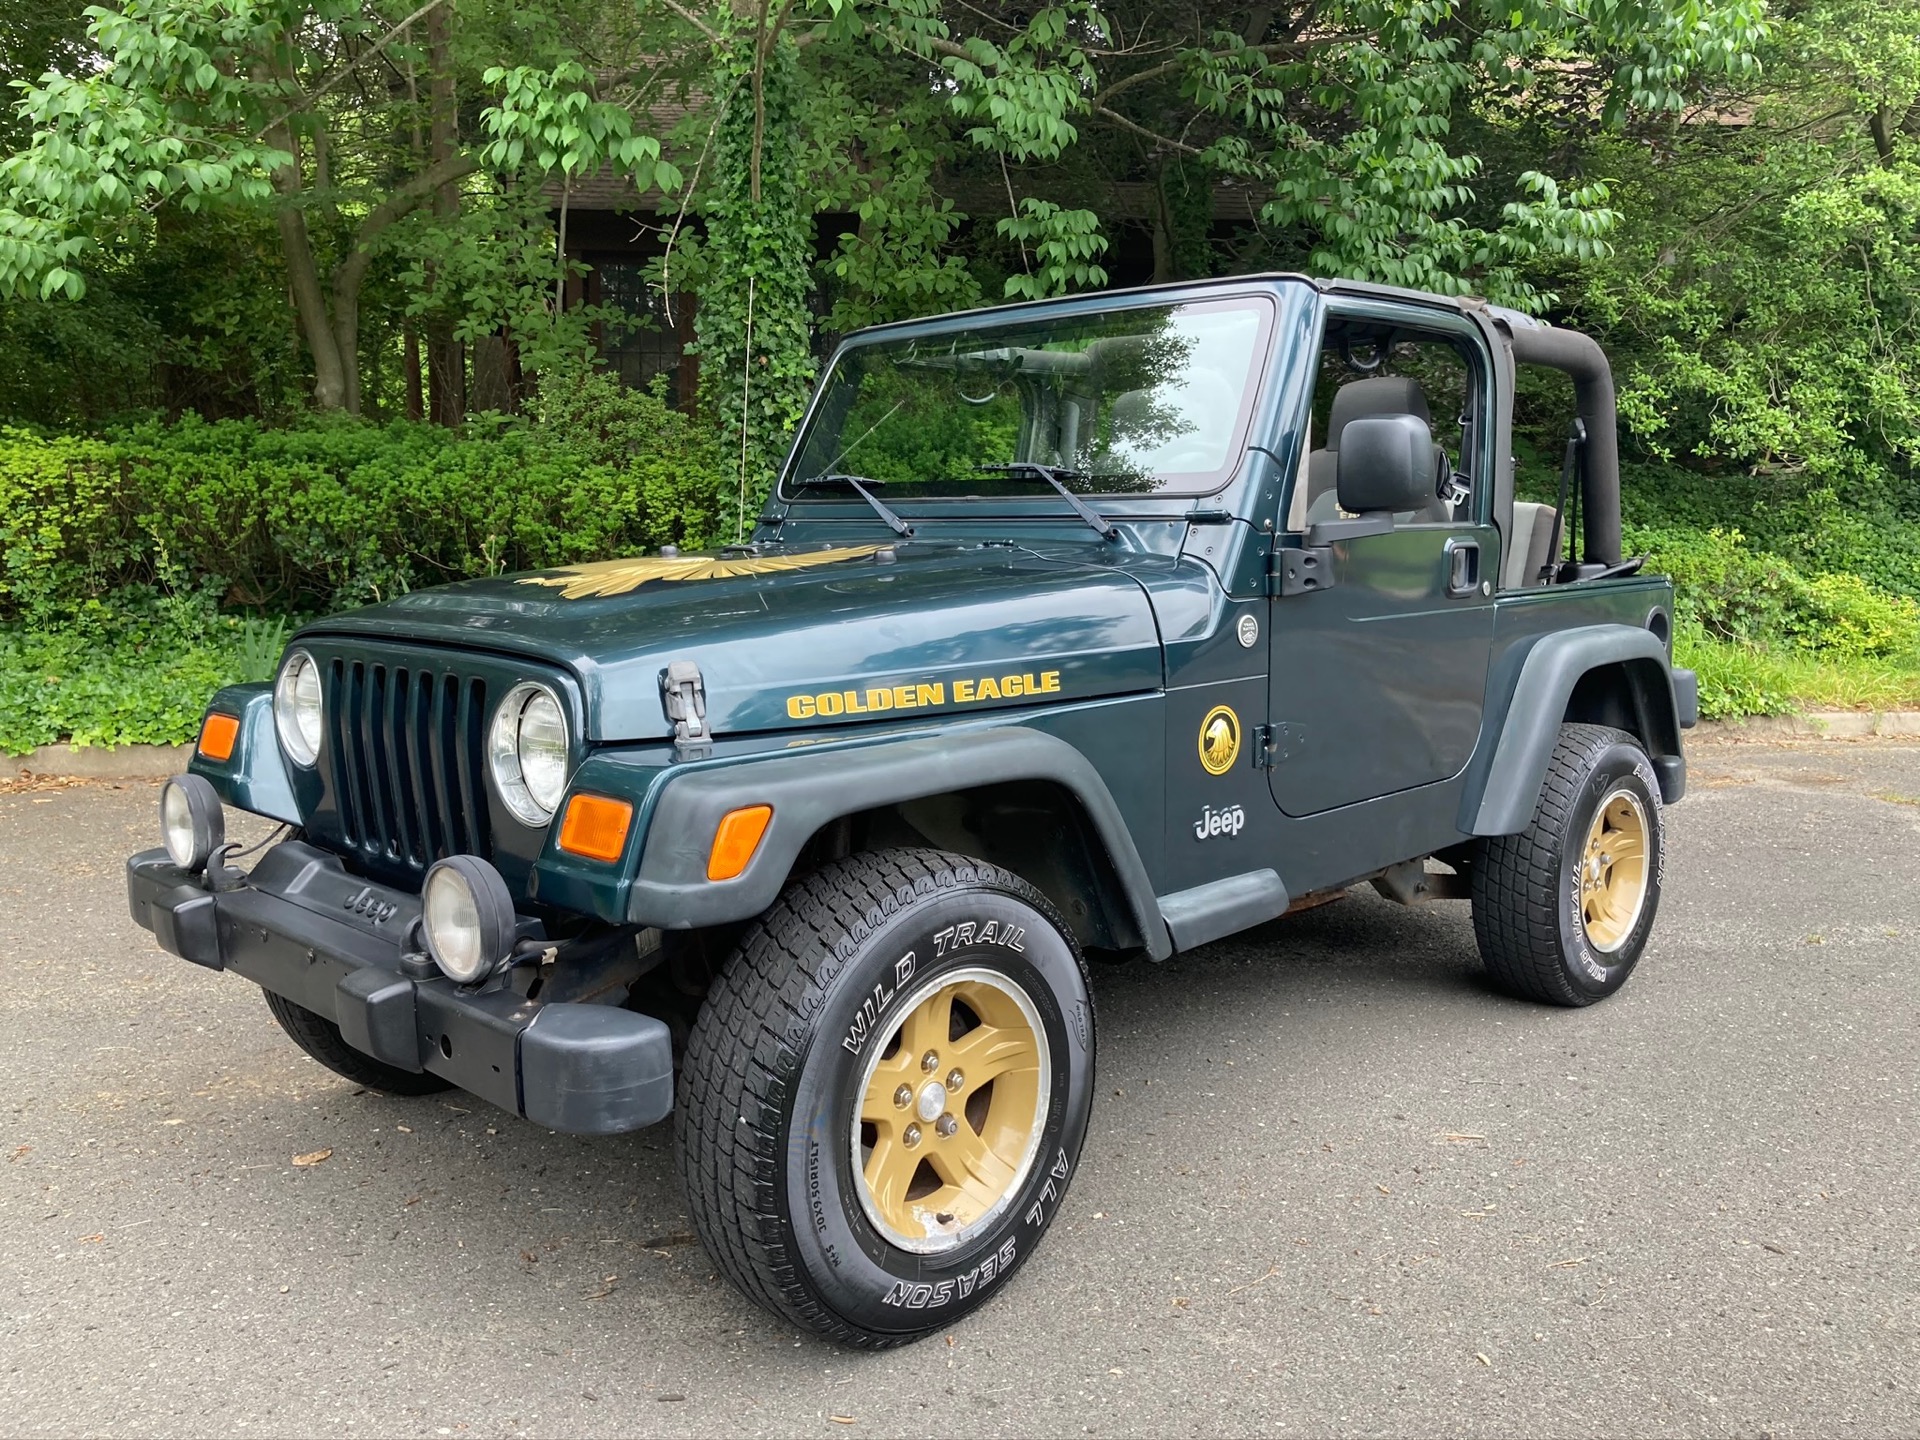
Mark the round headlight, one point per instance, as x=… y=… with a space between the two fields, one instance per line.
x=192 y=824
x=296 y=707
x=467 y=916
x=527 y=752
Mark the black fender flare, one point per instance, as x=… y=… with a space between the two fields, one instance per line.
x=810 y=789
x=1527 y=718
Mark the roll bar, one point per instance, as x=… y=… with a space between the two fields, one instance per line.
x=1534 y=342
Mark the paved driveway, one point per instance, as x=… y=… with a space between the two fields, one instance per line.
x=1333 y=1184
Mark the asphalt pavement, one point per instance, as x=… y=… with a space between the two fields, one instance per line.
x=1334 y=1185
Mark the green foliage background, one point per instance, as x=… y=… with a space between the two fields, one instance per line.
x=1725 y=192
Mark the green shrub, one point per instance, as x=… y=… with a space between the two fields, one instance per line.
x=333 y=513
x=142 y=677
x=1722 y=587
x=1845 y=616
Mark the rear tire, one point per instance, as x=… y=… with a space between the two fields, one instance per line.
x=1562 y=910
x=885 y=1093
x=321 y=1039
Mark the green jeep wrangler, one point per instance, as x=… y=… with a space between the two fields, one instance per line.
x=1092 y=627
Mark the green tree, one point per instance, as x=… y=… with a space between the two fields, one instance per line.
x=337 y=119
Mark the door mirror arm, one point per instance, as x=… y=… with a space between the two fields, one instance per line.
x=1332 y=532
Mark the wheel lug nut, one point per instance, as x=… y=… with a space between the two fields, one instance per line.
x=910 y=1136
x=930 y=1062
x=946 y=1125
x=955 y=1080
x=903 y=1097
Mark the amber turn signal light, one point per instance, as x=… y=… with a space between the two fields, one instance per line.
x=218 y=735
x=735 y=839
x=596 y=827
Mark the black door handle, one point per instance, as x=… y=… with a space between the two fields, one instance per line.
x=1463 y=567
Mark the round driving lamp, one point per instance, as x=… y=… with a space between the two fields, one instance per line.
x=467 y=916
x=527 y=752
x=192 y=824
x=296 y=708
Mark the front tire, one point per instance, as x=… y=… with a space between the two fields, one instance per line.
x=1562 y=910
x=885 y=1094
x=321 y=1039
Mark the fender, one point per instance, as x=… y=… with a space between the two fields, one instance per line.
x=809 y=790
x=254 y=777
x=1502 y=803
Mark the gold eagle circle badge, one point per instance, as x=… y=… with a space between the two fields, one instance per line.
x=1219 y=740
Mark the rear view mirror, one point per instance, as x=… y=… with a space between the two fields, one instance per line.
x=1387 y=463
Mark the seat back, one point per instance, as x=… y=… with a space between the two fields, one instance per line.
x=1376 y=395
x=1529 y=544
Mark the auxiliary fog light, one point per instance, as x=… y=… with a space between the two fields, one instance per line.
x=192 y=824
x=468 y=917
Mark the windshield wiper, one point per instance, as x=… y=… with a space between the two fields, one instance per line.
x=858 y=484
x=1054 y=475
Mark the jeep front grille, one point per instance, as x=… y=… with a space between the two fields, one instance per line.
x=406 y=751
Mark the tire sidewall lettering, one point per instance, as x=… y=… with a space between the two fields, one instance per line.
x=870 y=1281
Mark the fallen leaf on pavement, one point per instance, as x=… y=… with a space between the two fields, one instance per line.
x=1481 y=1358
x=841 y=1419
x=312 y=1157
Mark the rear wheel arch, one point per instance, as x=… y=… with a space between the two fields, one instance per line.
x=1611 y=675
x=1632 y=695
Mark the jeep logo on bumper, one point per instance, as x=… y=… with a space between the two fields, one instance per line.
x=367 y=904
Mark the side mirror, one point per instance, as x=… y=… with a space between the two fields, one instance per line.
x=1387 y=464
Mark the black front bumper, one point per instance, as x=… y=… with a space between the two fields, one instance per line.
x=304 y=928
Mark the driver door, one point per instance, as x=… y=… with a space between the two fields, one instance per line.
x=1377 y=683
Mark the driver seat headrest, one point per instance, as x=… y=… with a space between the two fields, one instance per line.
x=1379 y=395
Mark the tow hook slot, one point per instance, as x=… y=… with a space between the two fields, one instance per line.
x=684 y=693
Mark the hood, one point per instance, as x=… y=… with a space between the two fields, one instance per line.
x=796 y=638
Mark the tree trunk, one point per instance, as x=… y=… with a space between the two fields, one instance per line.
x=446 y=368
x=410 y=362
x=1880 y=126
x=492 y=384
x=309 y=300
x=1162 y=229
x=303 y=278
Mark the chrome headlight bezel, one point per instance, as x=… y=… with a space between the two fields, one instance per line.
x=298 y=714
x=530 y=714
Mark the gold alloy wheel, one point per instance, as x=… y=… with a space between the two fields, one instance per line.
x=1613 y=871
x=950 y=1110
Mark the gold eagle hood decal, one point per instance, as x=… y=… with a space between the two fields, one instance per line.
x=622 y=577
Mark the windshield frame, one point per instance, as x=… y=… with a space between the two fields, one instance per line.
x=982 y=323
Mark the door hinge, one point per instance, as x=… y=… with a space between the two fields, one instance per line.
x=1300 y=571
x=1274 y=744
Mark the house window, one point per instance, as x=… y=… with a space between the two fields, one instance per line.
x=656 y=344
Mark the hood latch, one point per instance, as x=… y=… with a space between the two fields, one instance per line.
x=684 y=693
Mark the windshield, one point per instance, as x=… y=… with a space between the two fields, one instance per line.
x=1136 y=401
